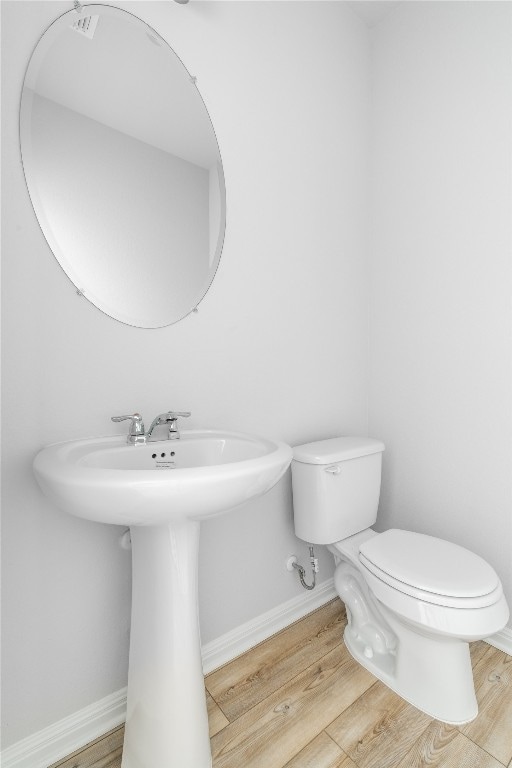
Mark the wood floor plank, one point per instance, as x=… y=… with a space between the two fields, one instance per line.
x=478 y=650
x=443 y=746
x=105 y=752
x=379 y=729
x=275 y=730
x=322 y=752
x=217 y=720
x=244 y=682
x=492 y=729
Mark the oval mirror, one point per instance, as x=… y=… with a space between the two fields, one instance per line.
x=122 y=166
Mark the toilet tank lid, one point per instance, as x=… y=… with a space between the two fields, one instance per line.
x=336 y=449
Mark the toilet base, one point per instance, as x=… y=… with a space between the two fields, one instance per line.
x=432 y=674
x=429 y=670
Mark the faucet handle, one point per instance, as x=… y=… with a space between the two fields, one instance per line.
x=170 y=418
x=136 y=418
x=136 y=431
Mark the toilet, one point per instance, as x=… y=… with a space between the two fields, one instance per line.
x=414 y=602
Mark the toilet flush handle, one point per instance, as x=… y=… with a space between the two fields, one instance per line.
x=333 y=469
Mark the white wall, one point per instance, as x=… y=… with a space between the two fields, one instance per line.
x=441 y=377
x=278 y=346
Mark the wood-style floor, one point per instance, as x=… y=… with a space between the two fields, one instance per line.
x=299 y=700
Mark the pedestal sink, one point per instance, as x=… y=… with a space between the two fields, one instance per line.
x=162 y=490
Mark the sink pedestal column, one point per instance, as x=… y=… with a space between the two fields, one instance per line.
x=167 y=721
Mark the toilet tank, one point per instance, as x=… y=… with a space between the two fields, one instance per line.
x=336 y=487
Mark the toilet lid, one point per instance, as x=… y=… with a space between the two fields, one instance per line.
x=428 y=564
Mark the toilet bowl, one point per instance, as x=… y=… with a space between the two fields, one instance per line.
x=414 y=602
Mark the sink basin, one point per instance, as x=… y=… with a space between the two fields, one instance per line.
x=204 y=473
x=162 y=490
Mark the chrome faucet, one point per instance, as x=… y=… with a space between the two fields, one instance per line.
x=170 y=418
x=136 y=434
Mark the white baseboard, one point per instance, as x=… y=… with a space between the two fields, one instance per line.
x=502 y=640
x=66 y=736
x=70 y=734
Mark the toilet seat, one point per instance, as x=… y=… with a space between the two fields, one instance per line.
x=430 y=569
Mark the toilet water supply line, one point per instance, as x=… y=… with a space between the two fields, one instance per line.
x=314 y=567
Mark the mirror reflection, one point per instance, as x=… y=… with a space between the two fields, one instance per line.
x=123 y=166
